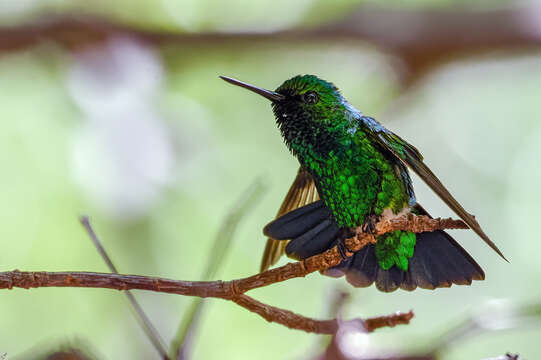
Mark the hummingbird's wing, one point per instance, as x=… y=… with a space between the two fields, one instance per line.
x=412 y=158
x=302 y=192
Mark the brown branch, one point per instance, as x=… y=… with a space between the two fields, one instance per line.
x=286 y=317
x=295 y=321
x=388 y=321
x=234 y=290
x=332 y=256
x=425 y=39
x=223 y=289
x=182 y=343
x=335 y=349
x=422 y=39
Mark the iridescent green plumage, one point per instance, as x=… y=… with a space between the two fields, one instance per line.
x=354 y=176
x=360 y=170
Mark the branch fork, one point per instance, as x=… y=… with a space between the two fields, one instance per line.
x=235 y=290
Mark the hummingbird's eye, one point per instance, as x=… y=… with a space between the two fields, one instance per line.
x=310 y=98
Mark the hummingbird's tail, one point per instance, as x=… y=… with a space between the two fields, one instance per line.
x=438 y=261
x=310 y=228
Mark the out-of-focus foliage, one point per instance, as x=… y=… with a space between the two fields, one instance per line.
x=195 y=15
x=156 y=148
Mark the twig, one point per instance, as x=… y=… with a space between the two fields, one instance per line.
x=335 y=350
x=142 y=318
x=338 y=301
x=388 y=321
x=230 y=290
x=182 y=342
x=295 y=321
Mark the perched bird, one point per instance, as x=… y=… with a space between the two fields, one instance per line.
x=353 y=172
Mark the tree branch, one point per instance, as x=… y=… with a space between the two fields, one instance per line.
x=295 y=321
x=234 y=290
x=422 y=39
x=142 y=318
x=182 y=343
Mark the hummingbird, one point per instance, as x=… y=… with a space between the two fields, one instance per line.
x=353 y=173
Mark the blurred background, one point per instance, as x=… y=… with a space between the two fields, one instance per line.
x=114 y=109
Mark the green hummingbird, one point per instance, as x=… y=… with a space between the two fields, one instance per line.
x=354 y=172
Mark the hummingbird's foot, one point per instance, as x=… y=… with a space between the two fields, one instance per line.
x=370 y=222
x=343 y=249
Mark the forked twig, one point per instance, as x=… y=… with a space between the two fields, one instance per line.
x=182 y=342
x=234 y=290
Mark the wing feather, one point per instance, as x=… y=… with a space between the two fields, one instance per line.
x=302 y=192
x=412 y=158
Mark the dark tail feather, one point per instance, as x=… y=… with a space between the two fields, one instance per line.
x=314 y=241
x=297 y=222
x=310 y=229
x=438 y=261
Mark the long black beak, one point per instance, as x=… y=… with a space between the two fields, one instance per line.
x=271 y=95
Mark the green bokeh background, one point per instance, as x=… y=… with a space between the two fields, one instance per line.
x=476 y=121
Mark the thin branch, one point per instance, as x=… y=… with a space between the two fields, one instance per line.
x=392 y=320
x=233 y=290
x=142 y=318
x=295 y=321
x=182 y=342
x=333 y=257
x=338 y=302
x=85 y=221
x=335 y=350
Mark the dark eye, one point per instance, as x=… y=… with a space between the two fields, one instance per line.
x=310 y=97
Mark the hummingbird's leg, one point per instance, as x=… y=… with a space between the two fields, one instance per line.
x=340 y=242
x=369 y=225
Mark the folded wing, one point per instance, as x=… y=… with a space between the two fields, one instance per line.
x=412 y=158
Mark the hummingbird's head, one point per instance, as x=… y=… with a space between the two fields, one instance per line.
x=310 y=112
x=307 y=98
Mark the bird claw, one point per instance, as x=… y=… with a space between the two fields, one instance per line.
x=370 y=222
x=343 y=249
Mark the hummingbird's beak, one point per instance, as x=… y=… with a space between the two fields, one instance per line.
x=271 y=95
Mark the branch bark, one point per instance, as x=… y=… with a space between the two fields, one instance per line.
x=234 y=290
x=295 y=321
